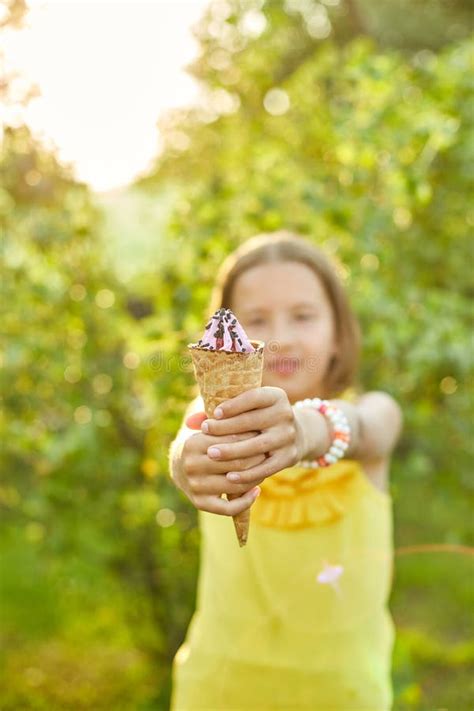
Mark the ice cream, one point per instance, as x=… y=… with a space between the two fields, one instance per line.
x=226 y=363
x=224 y=333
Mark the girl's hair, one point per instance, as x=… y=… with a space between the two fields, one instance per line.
x=285 y=246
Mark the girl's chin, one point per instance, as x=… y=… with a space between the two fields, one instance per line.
x=285 y=372
x=280 y=381
x=294 y=386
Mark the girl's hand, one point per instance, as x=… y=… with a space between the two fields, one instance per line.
x=202 y=479
x=280 y=437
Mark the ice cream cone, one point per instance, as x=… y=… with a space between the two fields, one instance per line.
x=222 y=375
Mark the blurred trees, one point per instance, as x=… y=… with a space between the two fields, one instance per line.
x=13 y=13
x=90 y=556
x=269 y=40
x=362 y=143
x=367 y=150
x=84 y=494
x=369 y=153
x=414 y=24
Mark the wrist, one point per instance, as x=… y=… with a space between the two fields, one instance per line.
x=338 y=432
x=353 y=417
x=315 y=433
x=176 y=458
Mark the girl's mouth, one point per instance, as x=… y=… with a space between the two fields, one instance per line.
x=284 y=366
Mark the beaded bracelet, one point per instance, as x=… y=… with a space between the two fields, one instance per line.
x=341 y=437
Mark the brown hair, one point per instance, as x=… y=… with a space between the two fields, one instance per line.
x=284 y=246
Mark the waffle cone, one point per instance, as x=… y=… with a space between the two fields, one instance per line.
x=222 y=375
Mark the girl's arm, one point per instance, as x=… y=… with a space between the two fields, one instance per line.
x=375 y=421
x=202 y=480
x=184 y=432
x=287 y=435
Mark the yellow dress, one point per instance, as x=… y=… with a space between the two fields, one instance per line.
x=267 y=635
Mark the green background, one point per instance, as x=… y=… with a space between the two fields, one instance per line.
x=367 y=149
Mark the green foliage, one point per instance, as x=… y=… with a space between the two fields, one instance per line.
x=84 y=450
x=368 y=152
x=379 y=175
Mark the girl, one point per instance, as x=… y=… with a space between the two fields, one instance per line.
x=298 y=618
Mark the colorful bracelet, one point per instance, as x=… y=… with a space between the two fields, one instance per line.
x=341 y=437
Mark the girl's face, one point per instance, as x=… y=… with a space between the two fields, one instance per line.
x=285 y=305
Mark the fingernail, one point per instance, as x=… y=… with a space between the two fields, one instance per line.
x=204 y=427
x=218 y=413
x=256 y=493
x=214 y=452
x=233 y=477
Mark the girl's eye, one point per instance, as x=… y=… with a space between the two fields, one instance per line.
x=304 y=317
x=255 y=322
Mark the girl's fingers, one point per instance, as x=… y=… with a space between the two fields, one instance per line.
x=254 y=420
x=204 y=466
x=195 y=420
x=273 y=464
x=266 y=442
x=249 y=400
x=198 y=444
x=211 y=439
x=214 y=504
x=218 y=484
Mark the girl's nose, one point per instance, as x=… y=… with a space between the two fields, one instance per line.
x=280 y=338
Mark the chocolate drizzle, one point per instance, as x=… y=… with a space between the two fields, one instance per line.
x=223 y=320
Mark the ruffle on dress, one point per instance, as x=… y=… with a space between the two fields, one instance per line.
x=301 y=498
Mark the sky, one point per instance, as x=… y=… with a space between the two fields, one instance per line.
x=106 y=70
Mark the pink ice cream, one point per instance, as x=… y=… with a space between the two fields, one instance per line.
x=224 y=333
